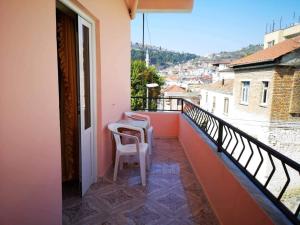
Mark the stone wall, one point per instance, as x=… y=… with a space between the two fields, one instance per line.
x=295 y=98
x=285 y=138
x=285 y=92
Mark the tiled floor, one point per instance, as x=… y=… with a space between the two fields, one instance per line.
x=172 y=195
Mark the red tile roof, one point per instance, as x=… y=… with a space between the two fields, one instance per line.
x=270 y=54
x=227 y=88
x=174 y=88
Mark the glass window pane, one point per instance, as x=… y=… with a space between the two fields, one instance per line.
x=86 y=68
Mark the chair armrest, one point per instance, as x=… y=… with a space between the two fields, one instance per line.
x=140 y=130
x=136 y=140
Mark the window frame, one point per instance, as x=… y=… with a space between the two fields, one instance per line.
x=263 y=90
x=243 y=82
x=226 y=106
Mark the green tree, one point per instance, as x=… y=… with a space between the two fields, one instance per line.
x=141 y=75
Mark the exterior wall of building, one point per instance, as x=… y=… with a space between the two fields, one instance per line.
x=30 y=153
x=281 y=35
x=286 y=91
x=284 y=131
x=227 y=75
x=274 y=36
x=254 y=108
x=219 y=103
x=113 y=60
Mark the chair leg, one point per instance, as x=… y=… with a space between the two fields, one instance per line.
x=121 y=162
x=116 y=166
x=143 y=169
x=148 y=161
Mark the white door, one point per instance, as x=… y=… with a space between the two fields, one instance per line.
x=85 y=99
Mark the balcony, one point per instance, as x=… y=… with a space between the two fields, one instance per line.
x=204 y=171
x=172 y=195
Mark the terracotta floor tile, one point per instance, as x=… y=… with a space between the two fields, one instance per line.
x=172 y=196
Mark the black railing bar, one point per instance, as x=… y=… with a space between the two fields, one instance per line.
x=243 y=149
x=286 y=183
x=225 y=136
x=261 y=162
x=199 y=126
x=237 y=141
x=251 y=155
x=138 y=97
x=265 y=147
x=278 y=203
x=217 y=128
x=297 y=211
x=272 y=172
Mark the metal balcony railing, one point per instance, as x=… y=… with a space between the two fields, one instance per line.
x=259 y=162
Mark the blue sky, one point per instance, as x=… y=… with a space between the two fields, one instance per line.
x=215 y=25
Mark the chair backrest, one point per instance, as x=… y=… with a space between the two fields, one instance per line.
x=138 y=116
x=113 y=127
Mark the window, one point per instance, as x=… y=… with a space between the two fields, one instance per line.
x=86 y=68
x=226 y=105
x=271 y=43
x=214 y=104
x=245 y=92
x=264 y=95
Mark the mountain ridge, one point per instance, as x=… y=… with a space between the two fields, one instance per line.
x=162 y=58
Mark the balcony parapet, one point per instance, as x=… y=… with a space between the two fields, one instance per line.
x=253 y=163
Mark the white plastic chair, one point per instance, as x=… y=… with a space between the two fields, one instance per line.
x=141 y=117
x=141 y=149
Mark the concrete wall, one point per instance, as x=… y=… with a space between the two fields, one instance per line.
x=229 y=199
x=30 y=161
x=281 y=35
x=165 y=124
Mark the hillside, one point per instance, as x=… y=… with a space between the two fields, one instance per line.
x=159 y=57
x=163 y=58
x=232 y=55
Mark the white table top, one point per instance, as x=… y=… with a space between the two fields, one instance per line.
x=135 y=123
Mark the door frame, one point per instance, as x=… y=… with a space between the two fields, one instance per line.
x=82 y=14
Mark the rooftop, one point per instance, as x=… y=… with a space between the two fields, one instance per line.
x=270 y=54
x=226 y=88
x=174 y=88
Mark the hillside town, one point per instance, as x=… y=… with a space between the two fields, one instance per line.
x=260 y=90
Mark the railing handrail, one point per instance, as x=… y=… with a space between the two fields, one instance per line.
x=212 y=125
x=274 y=152
x=141 y=97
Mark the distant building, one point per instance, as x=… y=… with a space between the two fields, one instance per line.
x=217 y=97
x=278 y=36
x=174 y=91
x=223 y=71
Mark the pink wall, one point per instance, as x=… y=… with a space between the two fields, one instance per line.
x=231 y=202
x=113 y=75
x=30 y=161
x=165 y=124
x=30 y=165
